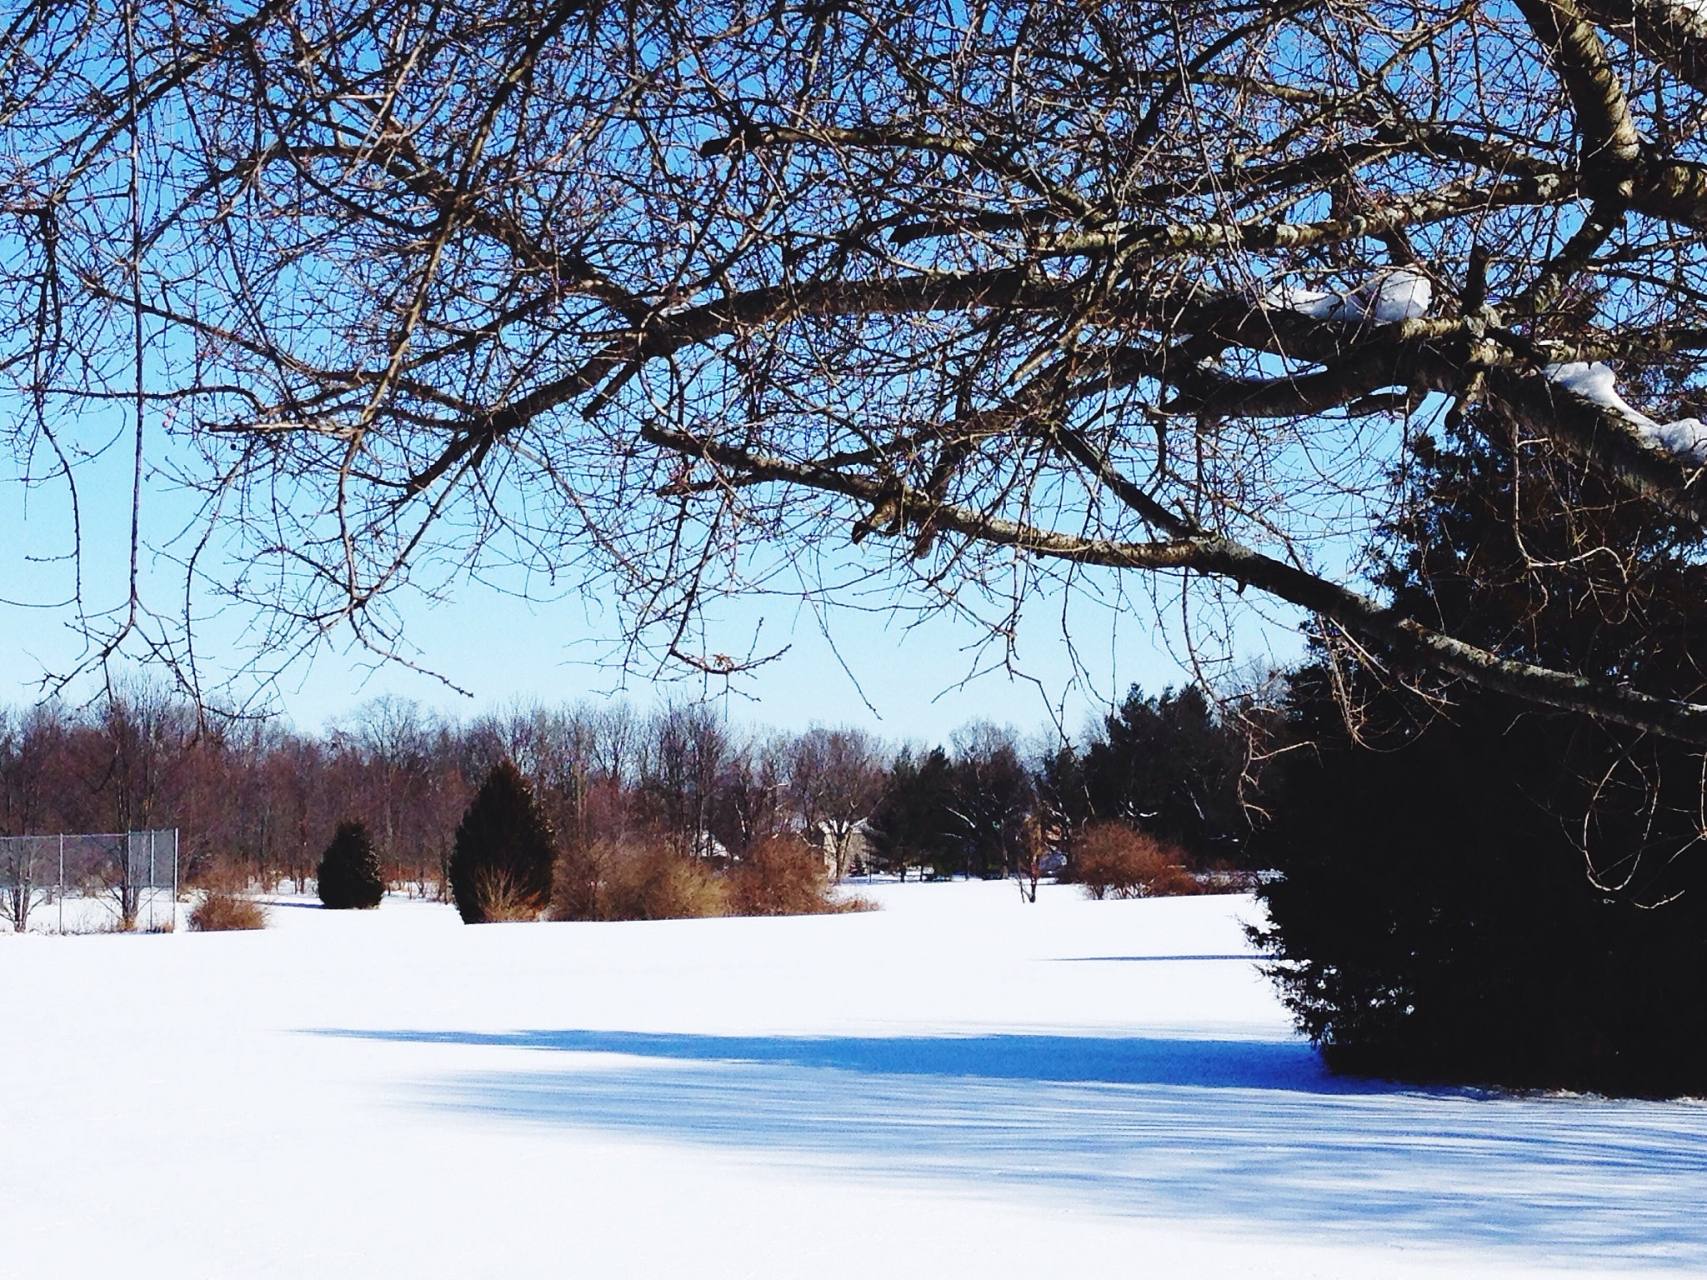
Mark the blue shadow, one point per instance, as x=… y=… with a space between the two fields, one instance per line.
x=1227 y=1134
x=1044 y=1059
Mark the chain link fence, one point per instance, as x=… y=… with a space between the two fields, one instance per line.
x=128 y=881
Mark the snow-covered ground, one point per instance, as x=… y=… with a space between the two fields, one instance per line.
x=958 y=1085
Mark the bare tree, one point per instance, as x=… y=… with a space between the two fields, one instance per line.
x=295 y=770
x=687 y=298
x=34 y=750
x=556 y=748
x=145 y=730
x=994 y=801
x=687 y=750
x=617 y=751
x=21 y=870
x=394 y=738
x=751 y=805
x=835 y=778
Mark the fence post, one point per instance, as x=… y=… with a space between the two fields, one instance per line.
x=62 y=884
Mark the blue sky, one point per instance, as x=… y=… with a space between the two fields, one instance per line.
x=908 y=685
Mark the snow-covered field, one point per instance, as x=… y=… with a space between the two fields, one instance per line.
x=958 y=1085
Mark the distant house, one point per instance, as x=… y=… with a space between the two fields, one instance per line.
x=708 y=846
x=824 y=838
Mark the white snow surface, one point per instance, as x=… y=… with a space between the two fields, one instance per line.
x=958 y=1085
x=1386 y=298
x=1596 y=383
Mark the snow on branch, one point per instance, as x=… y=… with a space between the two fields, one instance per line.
x=1386 y=298
x=1686 y=438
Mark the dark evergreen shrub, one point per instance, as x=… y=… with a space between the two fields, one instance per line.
x=501 y=866
x=993 y=795
x=1436 y=922
x=1477 y=890
x=349 y=875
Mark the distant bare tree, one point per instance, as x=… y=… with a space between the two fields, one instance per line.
x=556 y=748
x=752 y=793
x=617 y=750
x=23 y=875
x=993 y=801
x=34 y=752
x=145 y=732
x=296 y=776
x=395 y=739
x=686 y=298
x=686 y=753
x=21 y=871
x=835 y=779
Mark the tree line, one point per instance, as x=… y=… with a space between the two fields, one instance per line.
x=261 y=801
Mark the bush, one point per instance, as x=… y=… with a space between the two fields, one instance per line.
x=780 y=877
x=641 y=878
x=501 y=866
x=1112 y=860
x=1433 y=921
x=1475 y=890
x=348 y=876
x=224 y=909
x=636 y=878
x=578 y=884
x=654 y=882
x=503 y=897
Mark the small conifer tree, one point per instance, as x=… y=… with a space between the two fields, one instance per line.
x=501 y=866
x=349 y=874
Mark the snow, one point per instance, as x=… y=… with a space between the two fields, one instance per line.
x=959 y=1084
x=1597 y=384
x=1386 y=298
x=99 y=913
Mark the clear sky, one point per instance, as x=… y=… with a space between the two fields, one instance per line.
x=908 y=685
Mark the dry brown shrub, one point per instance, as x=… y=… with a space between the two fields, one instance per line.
x=780 y=877
x=657 y=883
x=223 y=909
x=577 y=884
x=642 y=878
x=502 y=897
x=220 y=875
x=1113 y=861
x=638 y=878
x=841 y=903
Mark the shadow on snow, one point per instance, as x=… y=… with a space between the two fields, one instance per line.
x=1250 y=1132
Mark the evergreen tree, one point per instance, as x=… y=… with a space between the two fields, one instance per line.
x=993 y=796
x=1170 y=766
x=501 y=866
x=1063 y=800
x=910 y=825
x=1488 y=892
x=349 y=874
